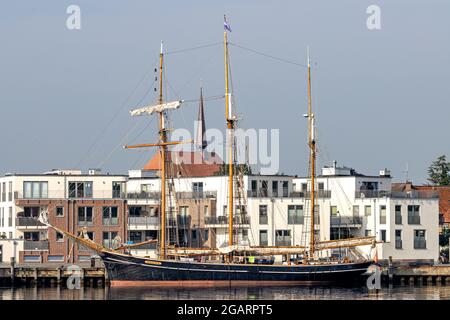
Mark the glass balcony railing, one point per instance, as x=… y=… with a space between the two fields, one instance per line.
x=35 y=245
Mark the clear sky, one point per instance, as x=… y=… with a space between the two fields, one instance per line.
x=382 y=97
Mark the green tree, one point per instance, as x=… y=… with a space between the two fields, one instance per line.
x=439 y=172
x=244 y=168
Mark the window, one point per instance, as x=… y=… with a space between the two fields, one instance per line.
x=197 y=187
x=383 y=235
x=413 y=214
x=184 y=215
x=111 y=240
x=398 y=239
x=283 y=237
x=274 y=188
x=295 y=214
x=80 y=189
x=254 y=185
x=2 y=212
x=304 y=187
x=59 y=237
x=31 y=236
x=225 y=211
x=206 y=211
x=263 y=239
x=264 y=188
x=117 y=189
x=367 y=210
x=10 y=222
x=420 y=239
x=316 y=214
x=206 y=237
x=194 y=235
x=134 y=211
x=135 y=236
x=10 y=235
x=28 y=258
x=321 y=186
x=398 y=214
x=285 y=189
x=383 y=214
x=110 y=216
x=35 y=189
x=263 y=218
x=31 y=212
x=90 y=235
x=333 y=211
x=356 y=211
x=3 y=192
x=10 y=191
x=85 y=216
x=60 y=212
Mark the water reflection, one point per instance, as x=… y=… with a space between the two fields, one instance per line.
x=268 y=293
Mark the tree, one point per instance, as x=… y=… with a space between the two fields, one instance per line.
x=439 y=172
x=244 y=168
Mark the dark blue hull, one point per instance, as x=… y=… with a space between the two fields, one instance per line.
x=134 y=271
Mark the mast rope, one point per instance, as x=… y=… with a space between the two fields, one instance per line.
x=194 y=48
x=268 y=55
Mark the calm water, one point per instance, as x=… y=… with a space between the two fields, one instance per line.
x=275 y=293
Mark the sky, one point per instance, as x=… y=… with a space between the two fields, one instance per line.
x=381 y=97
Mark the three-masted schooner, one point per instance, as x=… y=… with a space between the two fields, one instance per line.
x=125 y=269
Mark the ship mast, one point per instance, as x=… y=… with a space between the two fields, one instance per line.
x=312 y=160
x=230 y=128
x=163 y=149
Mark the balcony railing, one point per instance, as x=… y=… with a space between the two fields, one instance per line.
x=413 y=219
x=197 y=195
x=28 y=222
x=420 y=244
x=143 y=221
x=414 y=194
x=224 y=220
x=398 y=244
x=398 y=219
x=294 y=194
x=61 y=194
x=283 y=243
x=144 y=195
x=35 y=245
x=345 y=221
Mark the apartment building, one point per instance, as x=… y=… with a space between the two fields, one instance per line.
x=92 y=202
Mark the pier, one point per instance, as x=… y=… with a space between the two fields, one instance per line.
x=52 y=275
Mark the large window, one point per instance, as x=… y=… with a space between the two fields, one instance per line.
x=356 y=211
x=398 y=214
x=110 y=216
x=282 y=237
x=285 y=189
x=111 y=240
x=420 y=241
x=263 y=238
x=383 y=214
x=35 y=189
x=31 y=212
x=413 y=214
x=264 y=188
x=275 y=189
x=117 y=189
x=85 y=216
x=263 y=218
x=197 y=187
x=80 y=189
x=367 y=210
x=295 y=214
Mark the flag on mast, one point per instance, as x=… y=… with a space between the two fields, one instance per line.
x=226 y=26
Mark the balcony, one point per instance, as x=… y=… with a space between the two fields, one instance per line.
x=197 y=195
x=414 y=194
x=223 y=221
x=35 y=245
x=29 y=222
x=144 y=195
x=143 y=221
x=61 y=194
x=294 y=194
x=346 y=221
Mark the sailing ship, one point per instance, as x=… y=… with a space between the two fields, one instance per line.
x=169 y=269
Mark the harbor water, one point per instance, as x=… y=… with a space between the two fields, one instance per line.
x=430 y=292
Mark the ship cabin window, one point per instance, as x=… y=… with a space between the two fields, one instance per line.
x=80 y=189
